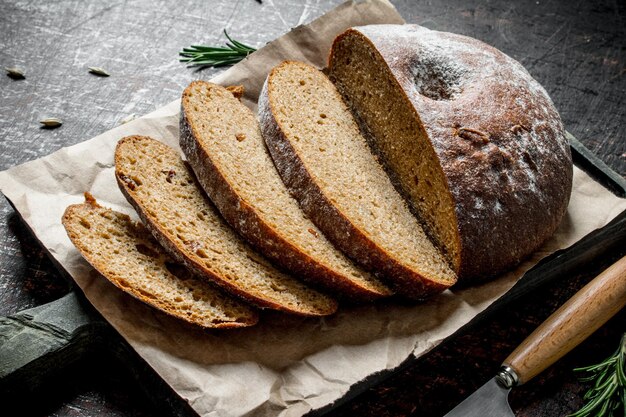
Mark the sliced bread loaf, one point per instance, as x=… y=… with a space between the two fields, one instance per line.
x=471 y=139
x=168 y=199
x=327 y=165
x=223 y=144
x=126 y=254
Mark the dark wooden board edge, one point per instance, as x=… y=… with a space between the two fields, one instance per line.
x=96 y=335
x=596 y=168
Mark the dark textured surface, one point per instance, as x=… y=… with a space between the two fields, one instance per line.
x=574 y=49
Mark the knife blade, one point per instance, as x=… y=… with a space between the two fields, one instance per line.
x=492 y=398
x=565 y=329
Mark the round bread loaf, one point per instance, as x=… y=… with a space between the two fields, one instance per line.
x=468 y=136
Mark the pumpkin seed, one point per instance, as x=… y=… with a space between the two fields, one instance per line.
x=15 y=73
x=98 y=71
x=51 y=122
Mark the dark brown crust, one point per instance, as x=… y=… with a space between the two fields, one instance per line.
x=470 y=144
x=245 y=220
x=335 y=225
x=97 y=264
x=178 y=254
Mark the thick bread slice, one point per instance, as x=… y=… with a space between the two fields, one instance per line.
x=223 y=144
x=327 y=164
x=168 y=199
x=126 y=254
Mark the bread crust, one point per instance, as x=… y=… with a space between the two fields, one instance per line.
x=199 y=269
x=335 y=225
x=244 y=218
x=499 y=140
x=99 y=264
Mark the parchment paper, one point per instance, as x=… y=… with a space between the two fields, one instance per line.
x=284 y=366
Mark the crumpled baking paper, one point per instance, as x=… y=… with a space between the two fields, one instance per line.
x=286 y=365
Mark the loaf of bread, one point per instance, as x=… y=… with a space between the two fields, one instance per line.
x=222 y=142
x=425 y=157
x=165 y=194
x=126 y=254
x=467 y=135
x=328 y=167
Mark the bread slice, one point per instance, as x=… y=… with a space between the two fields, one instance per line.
x=328 y=167
x=126 y=254
x=223 y=144
x=168 y=199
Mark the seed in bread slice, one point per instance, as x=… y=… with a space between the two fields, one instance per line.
x=223 y=144
x=163 y=190
x=329 y=168
x=126 y=254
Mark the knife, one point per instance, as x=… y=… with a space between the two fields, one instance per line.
x=572 y=323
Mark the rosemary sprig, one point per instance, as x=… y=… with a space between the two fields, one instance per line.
x=215 y=56
x=607 y=397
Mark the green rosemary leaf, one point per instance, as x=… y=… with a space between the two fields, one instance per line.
x=242 y=47
x=227 y=36
x=222 y=54
x=215 y=58
x=204 y=56
x=604 y=409
x=607 y=397
x=214 y=62
x=239 y=44
x=600 y=365
x=232 y=47
x=621 y=368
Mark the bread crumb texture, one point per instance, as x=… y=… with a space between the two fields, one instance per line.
x=163 y=190
x=317 y=128
x=224 y=136
x=126 y=254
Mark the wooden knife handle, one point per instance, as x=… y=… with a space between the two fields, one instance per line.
x=572 y=323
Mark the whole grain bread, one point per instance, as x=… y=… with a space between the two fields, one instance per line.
x=468 y=136
x=329 y=168
x=163 y=190
x=126 y=254
x=223 y=144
